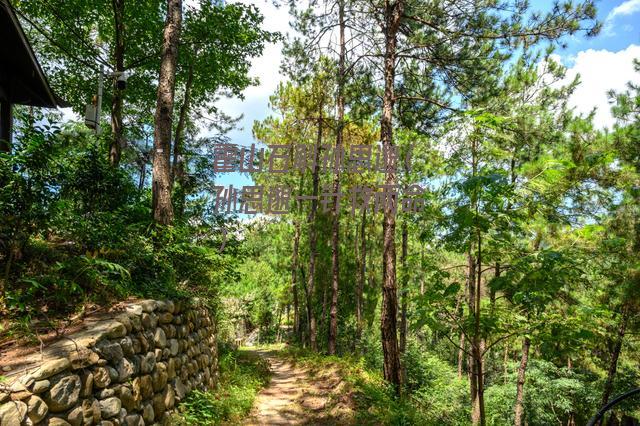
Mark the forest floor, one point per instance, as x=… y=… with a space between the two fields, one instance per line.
x=298 y=395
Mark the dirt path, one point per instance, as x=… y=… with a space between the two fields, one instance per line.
x=293 y=397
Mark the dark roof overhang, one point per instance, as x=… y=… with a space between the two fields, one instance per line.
x=22 y=80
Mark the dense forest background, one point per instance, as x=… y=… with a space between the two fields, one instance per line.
x=511 y=297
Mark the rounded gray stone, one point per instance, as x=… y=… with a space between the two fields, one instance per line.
x=41 y=386
x=169 y=398
x=51 y=368
x=147 y=414
x=136 y=324
x=125 y=369
x=12 y=413
x=36 y=409
x=109 y=350
x=127 y=399
x=149 y=305
x=57 y=421
x=158 y=404
x=87 y=383
x=148 y=363
x=127 y=346
x=165 y=317
x=110 y=407
x=105 y=393
x=113 y=373
x=134 y=310
x=116 y=329
x=101 y=377
x=133 y=420
x=124 y=320
x=174 y=347
x=75 y=416
x=63 y=394
x=91 y=411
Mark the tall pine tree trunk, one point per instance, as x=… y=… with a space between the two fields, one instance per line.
x=323 y=315
x=403 y=290
x=472 y=366
x=177 y=169
x=522 y=370
x=294 y=277
x=117 y=141
x=388 y=319
x=178 y=166
x=477 y=341
x=505 y=362
x=471 y=294
x=615 y=354
x=356 y=283
x=313 y=240
x=361 y=276
x=478 y=414
x=461 y=356
x=492 y=292
x=335 y=233
x=461 y=345
x=161 y=189
x=572 y=414
x=279 y=322
x=142 y=161
x=422 y=266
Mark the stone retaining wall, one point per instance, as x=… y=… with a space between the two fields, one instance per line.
x=127 y=370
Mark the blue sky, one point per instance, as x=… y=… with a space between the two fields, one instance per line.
x=604 y=62
x=255 y=106
x=620 y=29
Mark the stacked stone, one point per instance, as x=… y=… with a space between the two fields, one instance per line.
x=143 y=363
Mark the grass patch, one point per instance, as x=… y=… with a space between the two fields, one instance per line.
x=242 y=376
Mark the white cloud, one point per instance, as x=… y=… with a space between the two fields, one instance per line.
x=601 y=71
x=266 y=68
x=629 y=7
x=626 y=8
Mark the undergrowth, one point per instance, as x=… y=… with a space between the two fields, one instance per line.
x=78 y=233
x=242 y=376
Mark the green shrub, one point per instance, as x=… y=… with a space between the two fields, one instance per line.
x=551 y=394
x=77 y=229
x=434 y=387
x=241 y=378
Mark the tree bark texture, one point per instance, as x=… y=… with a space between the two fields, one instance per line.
x=335 y=232
x=615 y=354
x=161 y=189
x=388 y=319
x=362 y=276
x=313 y=239
x=294 y=277
x=522 y=370
x=403 y=291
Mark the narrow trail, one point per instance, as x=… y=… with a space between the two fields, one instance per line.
x=293 y=397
